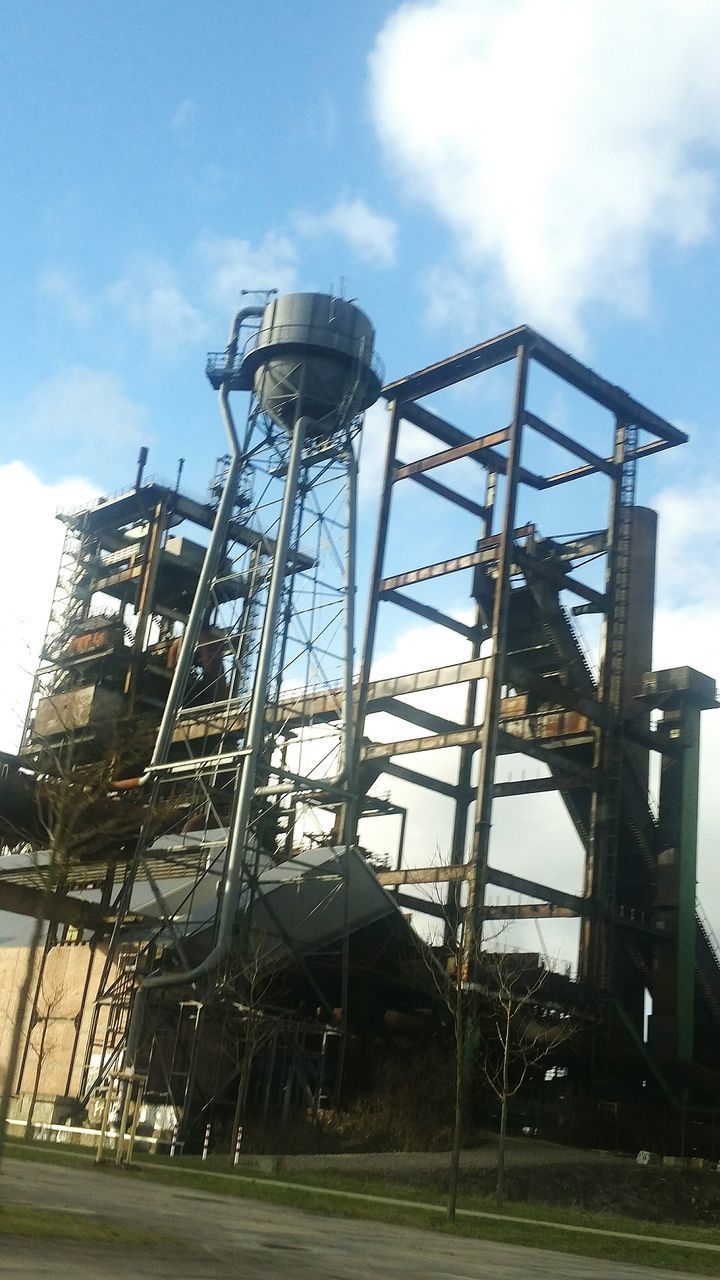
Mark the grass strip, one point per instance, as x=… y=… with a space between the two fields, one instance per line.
x=47 y=1152
x=628 y=1247
x=693 y=1250
x=482 y=1202
x=49 y=1224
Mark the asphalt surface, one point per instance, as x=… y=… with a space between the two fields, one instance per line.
x=218 y=1237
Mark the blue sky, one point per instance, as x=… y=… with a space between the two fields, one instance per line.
x=462 y=165
x=159 y=158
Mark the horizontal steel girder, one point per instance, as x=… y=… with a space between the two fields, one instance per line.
x=486 y=553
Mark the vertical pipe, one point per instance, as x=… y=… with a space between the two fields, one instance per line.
x=348 y=755
x=215 y=546
x=207 y=573
x=235 y=858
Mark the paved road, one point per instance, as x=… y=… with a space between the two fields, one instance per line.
x=219 y=1238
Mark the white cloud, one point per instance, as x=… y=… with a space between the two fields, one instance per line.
x=150 y=297
x=170 y=308
x=561 y=142
x=413 y=443
x=58 y=284
x=682 y=513
x=373 y=443
x=372 y=236
x=232 y=265
x=81 y=407
x=451 y=299
x=686 y=634
x=30 y=544
x=185 y=112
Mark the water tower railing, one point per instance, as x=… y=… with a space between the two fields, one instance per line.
x=329 y=338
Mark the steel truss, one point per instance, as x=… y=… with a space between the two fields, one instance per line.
x=166 y=906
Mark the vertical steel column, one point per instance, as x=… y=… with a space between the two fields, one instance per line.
x=595 y=959
x=151 y=564
x=463 y=790
x=678 y=824
x=477 y=870
x=354 y=807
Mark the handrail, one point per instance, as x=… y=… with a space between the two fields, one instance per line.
x=217 y=361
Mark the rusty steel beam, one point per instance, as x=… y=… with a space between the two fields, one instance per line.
x=408 y=902
x=511 y=743
x=535 y=786
x=414 y=715
x=433 y=742
x=554 y=902
x=417 y=779
x=450 y=495
x=577 y=473
x=508 y=743
x=422 y=875
x=418 y=681
x=480 y=445
x=532 y=889
x=505 y=347
x=530 y=911
x=40 y=904
x=595 y=462
x=586 y=545
x=476 y=359
x=486 y=553
x=559 y=578
x=427 y=421
x=429 y=614
x=602 y=392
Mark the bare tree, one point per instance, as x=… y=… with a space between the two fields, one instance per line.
x=17 y=1032
x=502 y=1026
x=255 y=982
x=46 y=1012
x=77 y=809
x=446 y=963
x=518 y=1029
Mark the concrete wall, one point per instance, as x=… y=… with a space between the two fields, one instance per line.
x=70 y=976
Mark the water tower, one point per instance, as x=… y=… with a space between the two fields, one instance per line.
x=256 y=742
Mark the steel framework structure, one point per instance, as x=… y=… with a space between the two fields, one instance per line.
x=266 y=673
x=528 y=688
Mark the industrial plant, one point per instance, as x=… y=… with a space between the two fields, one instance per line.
x=214 y=817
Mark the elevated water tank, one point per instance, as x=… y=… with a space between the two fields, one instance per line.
x=313 y=357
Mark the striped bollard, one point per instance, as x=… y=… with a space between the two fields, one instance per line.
x=206 y=1143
